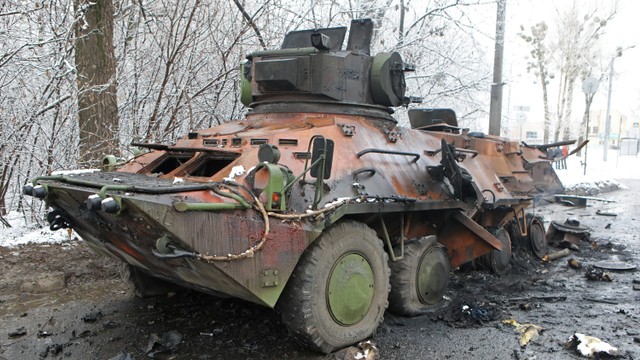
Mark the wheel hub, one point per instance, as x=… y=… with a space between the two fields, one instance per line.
x=500 y=260
x=537 y=238
x=432 y=277
x=350 y=289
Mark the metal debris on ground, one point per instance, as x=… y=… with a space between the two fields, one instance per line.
x=591 y=347
x=605 y=213
x=594 y=273
x=92 y=317
x=614 y=266
x=164 y=344
x=569 y=233
x=43 y=334
x=18 y=333
x=529 y=331
x=549 y=299
x=601 y=300
x=578 y=200
x=83 y=334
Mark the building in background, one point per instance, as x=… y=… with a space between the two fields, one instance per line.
x=524 y=125
x=634 y=132
x=530 y=129
x=617 y=130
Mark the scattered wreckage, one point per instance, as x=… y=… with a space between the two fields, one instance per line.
x=317 y=203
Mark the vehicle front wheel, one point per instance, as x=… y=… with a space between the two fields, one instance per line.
x=338 y=292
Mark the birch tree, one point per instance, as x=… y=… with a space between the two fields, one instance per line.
x=577 y=38
x=36 y=79
x=539 y=64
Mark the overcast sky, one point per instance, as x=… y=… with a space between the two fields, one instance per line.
x=623 y=30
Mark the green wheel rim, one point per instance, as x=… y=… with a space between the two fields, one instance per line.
x=431 y=278
x=350 y=289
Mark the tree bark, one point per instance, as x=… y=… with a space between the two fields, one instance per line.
x=584 y=128
x=547 y=113
x=96 y=80
x=3 y=191
x=566 y=126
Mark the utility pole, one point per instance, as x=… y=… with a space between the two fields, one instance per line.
x=607 y=126
x=495 y=109
x=607 y=120
x=589 y=86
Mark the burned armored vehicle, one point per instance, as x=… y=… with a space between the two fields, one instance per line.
x=317 y=203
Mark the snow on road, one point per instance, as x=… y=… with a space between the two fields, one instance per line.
x=617 y=167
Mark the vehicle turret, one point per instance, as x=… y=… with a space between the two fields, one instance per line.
x=311 y=72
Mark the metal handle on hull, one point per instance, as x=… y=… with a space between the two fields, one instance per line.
x=390 y=152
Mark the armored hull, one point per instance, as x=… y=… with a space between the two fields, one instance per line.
x=316 y=202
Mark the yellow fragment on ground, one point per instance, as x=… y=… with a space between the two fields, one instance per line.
x=528 y=331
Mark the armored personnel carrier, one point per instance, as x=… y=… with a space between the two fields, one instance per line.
x=316 y=203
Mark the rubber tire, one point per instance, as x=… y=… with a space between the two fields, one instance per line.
x=537 y=236
x=403 y=298
x=303 y=304
x=517 y=240
x=494 y=260
x=143 y=285
x=536 y=239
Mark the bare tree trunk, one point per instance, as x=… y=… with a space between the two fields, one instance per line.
x=566 y=118
x=3 y=190
x=561 y=105
x=584 y=130
x=96 y=80
x=578 y=34
x=540 y=65
x=547 y=114
x=401 y=25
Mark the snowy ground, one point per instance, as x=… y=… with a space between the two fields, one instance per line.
x=600 y=174
x=616 y=168
x=24 y=231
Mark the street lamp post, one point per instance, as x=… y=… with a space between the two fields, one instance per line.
x=495 y=108
x=607 y=120
x=607 y=124
x=589 y=86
